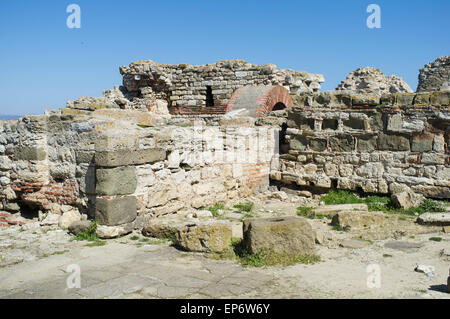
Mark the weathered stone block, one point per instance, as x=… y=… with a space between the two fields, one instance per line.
x=210 y=236
x=367 y=144
x=355 y=219
x=440 y=98
x=406 y=200
x=116 y=181
x=318 y=145
x=284 y=235
x=298 y=143
x=27 y=153
x=436 y=219
x=126 y=157
x=422 y=99
x=84 y=157
x=115 y=211
x=393 y=143
x=344 y=143
x=422 y=142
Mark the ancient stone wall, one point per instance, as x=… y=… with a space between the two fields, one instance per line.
x=120 y=171
x=191 y=89
x=368 y=143
x=435 y=76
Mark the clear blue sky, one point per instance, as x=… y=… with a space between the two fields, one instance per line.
x=44 y=64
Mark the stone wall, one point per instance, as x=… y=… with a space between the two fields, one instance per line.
x=119 y=171
x=185 y=86
x=367 y=143
x=435 y=76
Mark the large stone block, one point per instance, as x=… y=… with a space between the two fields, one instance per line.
x=209 y=236
x=367 y=144
x=422 y=142
x=344 y=143
x=393 y=143
x=285 y=235
x=115 y=211
x=440 y=98
x=298 y=143
x=355 y=219
x=436 y=219
x=116 y=181
x=27 y=153
x=126 y=157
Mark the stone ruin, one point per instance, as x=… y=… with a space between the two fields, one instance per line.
x=435 y=76
x=176 y=138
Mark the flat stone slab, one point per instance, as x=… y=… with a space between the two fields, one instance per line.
x=334 y=209
x=435 y=219
x=354 y=244
x=126 y=157
x=403 y=245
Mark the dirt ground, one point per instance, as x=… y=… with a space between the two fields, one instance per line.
x=38 y=262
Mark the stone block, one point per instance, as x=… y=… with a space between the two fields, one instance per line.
x=393 y=143
x=298 y=143
x=367 y=144
x=284 y=235
x=126 y=157
x=115 y=211
x=318 y=145
x=84 y=157
x=356 y=220
x=27 y=153
x=422 y=99
x=422 y=143
x=435 y=219
x=440 y=98
x=210 y=236
x=344 y=143
x=116 y=181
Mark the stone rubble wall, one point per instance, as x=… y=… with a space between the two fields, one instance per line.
x=107 y=163
x=368 y=143
x=185 y=86
x=435 y=76
x=373 y=81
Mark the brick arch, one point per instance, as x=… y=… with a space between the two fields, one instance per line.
x=259 y=100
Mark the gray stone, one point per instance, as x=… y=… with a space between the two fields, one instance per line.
x=436 y=219
x=116 y=181
x=284 y=235
x=129 y=157
x=115 y=211
x=393 y=143
x=422 y=143
x=81 y=226
x=84 y=157
x=27 y=153
x=367 y=144
x=342 y=143
x=407 y=200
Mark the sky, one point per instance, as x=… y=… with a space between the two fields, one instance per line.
x=44 y=63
